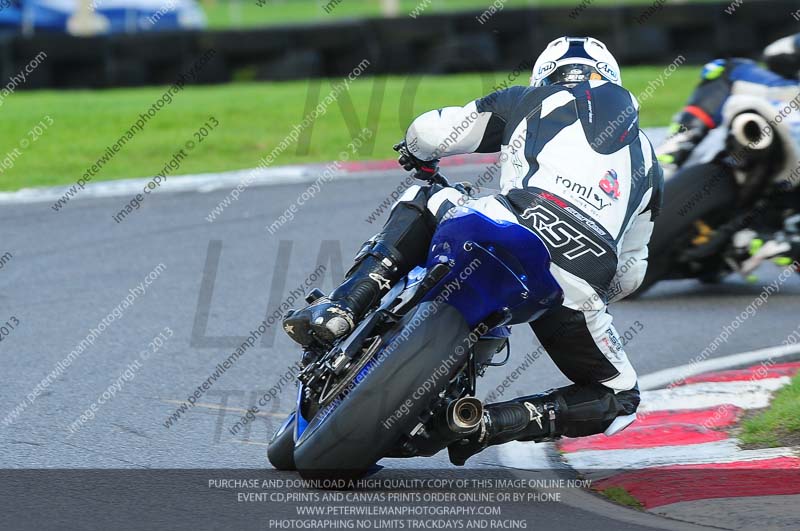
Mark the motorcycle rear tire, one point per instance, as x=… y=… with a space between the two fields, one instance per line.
x=366 y=425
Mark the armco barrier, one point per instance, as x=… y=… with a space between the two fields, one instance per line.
x=442 y=43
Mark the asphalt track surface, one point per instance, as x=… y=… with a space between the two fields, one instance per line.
x=71 y=268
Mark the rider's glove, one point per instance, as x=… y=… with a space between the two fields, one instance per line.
x=423 y=169
x=466 y=188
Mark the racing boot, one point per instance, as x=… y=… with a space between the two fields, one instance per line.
x=329 y=318
x=783 y=248
x=533 y=418
x=383 y=260
x=573 y=411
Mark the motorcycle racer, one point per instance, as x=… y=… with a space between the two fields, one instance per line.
x=726 y=86
x=729 y=91
x=578 y=172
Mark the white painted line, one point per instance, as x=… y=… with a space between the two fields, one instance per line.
x=542 y=456
x=726 y=451
x=664 y=378
x=526 y=455
x=201 y=183
x=204 y=182
x=596 y=464
x=744 y=394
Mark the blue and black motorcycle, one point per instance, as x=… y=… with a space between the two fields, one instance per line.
x=402 y=384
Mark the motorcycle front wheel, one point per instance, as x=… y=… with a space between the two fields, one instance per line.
x=280 y=451
x=696 y=193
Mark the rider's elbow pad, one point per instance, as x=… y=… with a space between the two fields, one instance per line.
x=447 y=131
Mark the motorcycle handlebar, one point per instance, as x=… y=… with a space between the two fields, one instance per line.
x=438 y=178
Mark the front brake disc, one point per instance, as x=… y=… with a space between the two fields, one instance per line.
x=352 y=372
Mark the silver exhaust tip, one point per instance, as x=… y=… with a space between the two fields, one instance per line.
x=464 y=415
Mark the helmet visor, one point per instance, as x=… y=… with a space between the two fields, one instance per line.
x=572 y=73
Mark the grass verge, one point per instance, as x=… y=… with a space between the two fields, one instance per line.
x=248 y=13
x=253 y=119
x=779 y=424
x=621 y=496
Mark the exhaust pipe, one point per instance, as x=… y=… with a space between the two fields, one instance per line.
x=464 y=415
x=752 y=131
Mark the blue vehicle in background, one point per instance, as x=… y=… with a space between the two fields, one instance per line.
x=121 y=16
x=402 y=384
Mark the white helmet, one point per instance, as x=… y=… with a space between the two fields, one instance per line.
x=783 y=56
x=573 y=60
